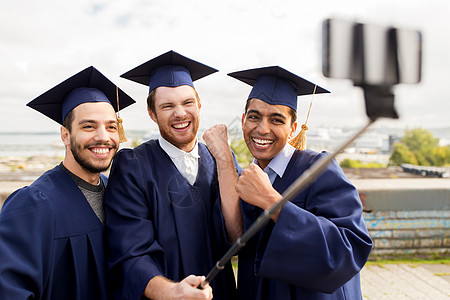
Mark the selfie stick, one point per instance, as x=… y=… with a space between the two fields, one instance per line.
x=379 y=102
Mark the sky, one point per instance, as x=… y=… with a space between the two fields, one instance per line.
x=44 y=42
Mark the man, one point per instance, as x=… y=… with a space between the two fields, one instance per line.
x=315 y=245
x=52 y=232
x=164 y=214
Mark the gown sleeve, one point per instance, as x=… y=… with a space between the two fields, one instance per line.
x=322 y=245
x=135 y=255
x=26 y=243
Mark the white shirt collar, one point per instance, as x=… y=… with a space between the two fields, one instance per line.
x=175 y=152
x=280 y=162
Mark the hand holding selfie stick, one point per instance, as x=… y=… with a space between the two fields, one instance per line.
x=379 y=101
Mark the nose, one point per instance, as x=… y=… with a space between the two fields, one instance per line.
x=101 y=134
x=179 y=111
x=263 y=126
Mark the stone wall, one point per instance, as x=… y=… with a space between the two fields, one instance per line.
x=409 y=232
x=407 y=216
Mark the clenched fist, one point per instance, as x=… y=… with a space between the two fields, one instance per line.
x=254 y=187
x=216 y=138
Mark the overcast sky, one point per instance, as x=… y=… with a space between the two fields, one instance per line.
x=44 y=42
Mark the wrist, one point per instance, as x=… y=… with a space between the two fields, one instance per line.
x=272 y=199
x=225 y=160
x=157 y=287
x=224 y=155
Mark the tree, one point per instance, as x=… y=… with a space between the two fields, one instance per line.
x=402 y=154
x=419 y=147
x=419 y=139
x=422 y=143
x=441 y=156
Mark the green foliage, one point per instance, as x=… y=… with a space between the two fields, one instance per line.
x=410 y=259
x=419 y=139
x=402 y=154
x=419 y=147
x=357 y=164
x=441 y=156
x=243 y=155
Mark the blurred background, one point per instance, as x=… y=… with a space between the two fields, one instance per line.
x=44 y=42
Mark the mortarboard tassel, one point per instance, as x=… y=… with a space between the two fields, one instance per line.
x=299 y=141
x=122 y=137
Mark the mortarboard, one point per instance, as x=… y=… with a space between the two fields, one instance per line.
x=169 y=69
x=277 y=86
x=88 y=85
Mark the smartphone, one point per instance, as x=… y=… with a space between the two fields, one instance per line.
x=371 y=54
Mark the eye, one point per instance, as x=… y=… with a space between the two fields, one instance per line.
x=253 y=117
x=277 y=121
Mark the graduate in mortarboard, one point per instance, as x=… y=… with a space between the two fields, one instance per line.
x=165 y=224
x=52 y=233
x=315 y=246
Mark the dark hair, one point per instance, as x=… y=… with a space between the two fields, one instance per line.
x=292 y=111
x=151 y=99
x=68 y=120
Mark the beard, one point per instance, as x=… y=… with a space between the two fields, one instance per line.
x=179 y=140
x=85 y=163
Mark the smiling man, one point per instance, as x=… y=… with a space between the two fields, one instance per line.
x=315 y=245
x=52 y=232
x=164 y=213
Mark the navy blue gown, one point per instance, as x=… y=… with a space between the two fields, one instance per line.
x=316 y=248
x=159 y=224
x=51 y=243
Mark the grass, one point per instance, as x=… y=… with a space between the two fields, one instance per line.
x=357 y=164
x=413 y=259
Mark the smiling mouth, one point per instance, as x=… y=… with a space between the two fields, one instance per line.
x=262 y=143
x=100 y=151
x=181 y=126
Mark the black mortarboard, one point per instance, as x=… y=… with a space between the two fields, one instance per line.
x=276 y=86
x=169 y=69
x=88 y=85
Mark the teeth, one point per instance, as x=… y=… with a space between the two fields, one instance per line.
x=263 y=142
x=100 y=150
x=181 y=125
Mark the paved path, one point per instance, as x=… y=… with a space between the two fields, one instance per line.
x=406 y=281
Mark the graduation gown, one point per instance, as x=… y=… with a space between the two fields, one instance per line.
x=316 y=248
x=51 y=243
x=159 y=224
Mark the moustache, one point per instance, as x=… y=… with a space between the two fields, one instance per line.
x=109 y=145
